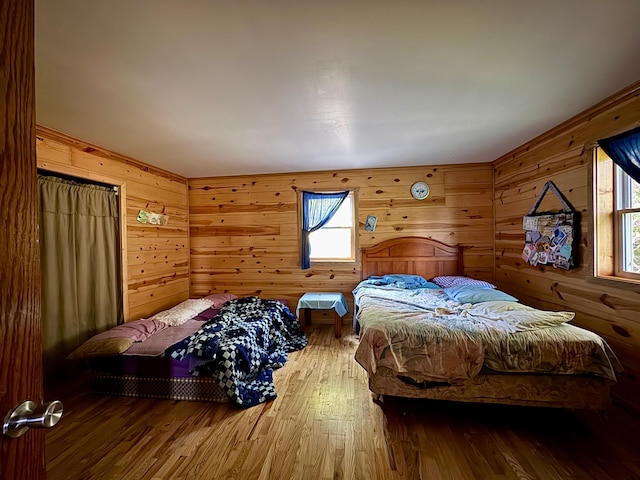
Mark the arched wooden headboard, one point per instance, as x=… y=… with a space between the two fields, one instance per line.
x=412 y=255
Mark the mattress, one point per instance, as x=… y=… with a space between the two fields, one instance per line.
x=230 y=357
x=152 y=377
x=143 y=370
x=425 y=336
x=205 y=389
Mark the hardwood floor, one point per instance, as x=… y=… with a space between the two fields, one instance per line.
x=324 y=425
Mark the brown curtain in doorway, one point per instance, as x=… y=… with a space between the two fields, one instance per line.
x=81 y=292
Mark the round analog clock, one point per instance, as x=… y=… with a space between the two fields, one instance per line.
x=419 y=190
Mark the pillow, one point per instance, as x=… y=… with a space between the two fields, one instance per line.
x=400 y=280
x=524 y=318
x=137 y=330
x=107 y=347
x=499 y=306
x=430 y=285
x=467 y=294
x=220 y=299
x=207 y=314
x=454 y=280
x=183 y=311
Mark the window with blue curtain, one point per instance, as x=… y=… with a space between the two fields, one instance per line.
x=617 y=204
x=624 y=150
x=317 y=209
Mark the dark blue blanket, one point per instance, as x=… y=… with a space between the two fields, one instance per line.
x=241 y=346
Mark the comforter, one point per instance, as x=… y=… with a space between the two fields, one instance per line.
x=422 y=335
x=242 y=345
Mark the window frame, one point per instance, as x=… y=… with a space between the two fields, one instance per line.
x=354 y=227
x=621 y=193
x=607 y=223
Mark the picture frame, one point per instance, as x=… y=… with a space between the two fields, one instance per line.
x=370 y=225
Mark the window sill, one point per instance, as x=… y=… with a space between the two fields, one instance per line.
x=615 y=282
x=329 y=263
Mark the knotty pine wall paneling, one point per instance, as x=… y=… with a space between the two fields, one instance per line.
x=564 y=155
x=244 y=229
x=156 y=257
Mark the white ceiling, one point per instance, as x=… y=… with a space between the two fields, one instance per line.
x=208 y=88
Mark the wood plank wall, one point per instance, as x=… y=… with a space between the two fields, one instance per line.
x=244 y=229
x=156 y=256
x=564 y=155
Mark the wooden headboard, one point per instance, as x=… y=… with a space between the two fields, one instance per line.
x=412 y=255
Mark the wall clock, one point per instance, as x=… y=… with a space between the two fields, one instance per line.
x=419 y=190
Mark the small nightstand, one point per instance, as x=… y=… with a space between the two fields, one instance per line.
x=322 y=301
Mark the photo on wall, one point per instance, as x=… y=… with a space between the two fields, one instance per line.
x=370 y=226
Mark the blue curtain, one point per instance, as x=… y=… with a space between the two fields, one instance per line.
x=624 y=150
x=317 y=210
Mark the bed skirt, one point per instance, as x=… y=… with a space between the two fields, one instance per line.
x=562 y=391
x=205 y=389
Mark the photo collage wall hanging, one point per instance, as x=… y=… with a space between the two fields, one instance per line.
x=550 y=238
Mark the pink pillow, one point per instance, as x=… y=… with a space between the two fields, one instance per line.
x=208 y=314
x=220 y=299
x=138 y=330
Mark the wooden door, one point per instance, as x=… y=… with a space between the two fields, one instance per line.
x=20 y=337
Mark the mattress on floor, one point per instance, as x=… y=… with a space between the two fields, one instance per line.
x=152 y=377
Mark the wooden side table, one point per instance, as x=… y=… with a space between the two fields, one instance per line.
x=322 y=301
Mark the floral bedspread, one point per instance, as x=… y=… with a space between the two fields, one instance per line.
x=423 y=335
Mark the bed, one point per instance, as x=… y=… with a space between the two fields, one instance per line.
x=509 y=353
x=218 y=348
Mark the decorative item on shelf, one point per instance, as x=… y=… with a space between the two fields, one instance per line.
x=152 y=218
x=550 y=237
x=419 y=190
x=370 y=225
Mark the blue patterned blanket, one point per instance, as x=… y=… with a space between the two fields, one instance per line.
x=241 y=345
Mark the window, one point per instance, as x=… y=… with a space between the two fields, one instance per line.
x=327 y=227
x=616 y=222
x=336 y=240
x=627 y=224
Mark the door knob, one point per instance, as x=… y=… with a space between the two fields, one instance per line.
x=29 y=415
